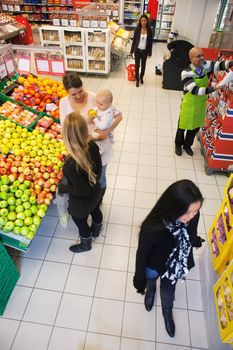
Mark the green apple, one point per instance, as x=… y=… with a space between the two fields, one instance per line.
x=5 y=180
x=13 y=188
x=27 y=212
x=16 y=183
x=41 y=213
x=22 y=187
x=18 y=193
x=4 y=195
x=12 y=207
x=33 y=228
x=24 y=230
x=11 y=201
x=17 y=230
x=28 y=221
x=4 y=212
x=19 y=208
x=21 y=215
x=26 y=205
x=8 y=227
x=3 y=221
x=30 y=235
x=12 y=216
x=25 y=198
x=4 y=188
x=43 y=207
x=32 y=199
x=27 y=191
x=36 y=220
x=27 y=183
x=18 y=201
x=3 y=204
x=19 y=222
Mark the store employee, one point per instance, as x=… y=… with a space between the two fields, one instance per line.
x=193 y=106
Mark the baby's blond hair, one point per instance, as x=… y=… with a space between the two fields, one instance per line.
x=106 y=94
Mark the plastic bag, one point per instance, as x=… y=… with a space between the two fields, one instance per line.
x=61 y=202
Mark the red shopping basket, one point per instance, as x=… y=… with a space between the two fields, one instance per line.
x=130 y=67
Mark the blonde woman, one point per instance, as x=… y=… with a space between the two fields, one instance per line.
x=82 y=170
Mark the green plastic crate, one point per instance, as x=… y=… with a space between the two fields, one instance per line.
x=4 y=98
x=8 y=277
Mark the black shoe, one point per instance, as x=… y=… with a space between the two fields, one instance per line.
x=141 y=80
x=150 y=293
x=168 y=321
x=84 y=246
x=178 y=150
x=188 y=150
x=137 y=83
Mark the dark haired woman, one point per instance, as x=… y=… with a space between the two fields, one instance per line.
x=141 y=46
x=82 y=101
x=165 y=244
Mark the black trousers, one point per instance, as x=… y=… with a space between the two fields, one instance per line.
x=167 y=293
x=140 y=58
x=83 y=227
x=186 y=140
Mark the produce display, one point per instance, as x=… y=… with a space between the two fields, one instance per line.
x=30 y=170
x=48 y=126
x=40 y=94
x=17 y=114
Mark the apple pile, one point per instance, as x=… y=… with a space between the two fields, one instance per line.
x=41 y=94
x=17 y=114
x=47 y=125
x=19 y=211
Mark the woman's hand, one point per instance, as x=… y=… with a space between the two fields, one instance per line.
x=102 y=134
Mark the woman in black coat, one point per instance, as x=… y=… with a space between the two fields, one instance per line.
x=165 y=244
x=82 y=171
x=141 y=46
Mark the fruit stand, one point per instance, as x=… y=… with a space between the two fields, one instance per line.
x=31 y=156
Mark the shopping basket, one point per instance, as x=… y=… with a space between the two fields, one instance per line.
x=130 y=67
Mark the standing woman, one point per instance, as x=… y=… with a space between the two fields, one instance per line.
x=166 y=239
x=141 y=46
x=82 y=170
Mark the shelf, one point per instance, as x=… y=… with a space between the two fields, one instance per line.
x=74 y=57
x=73 y=43
x=51 y=5
x=90 y=58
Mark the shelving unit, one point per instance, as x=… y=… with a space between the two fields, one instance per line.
x=165 y=14
x=98 y=51
x=132 y=12
x=74 y=49
x=50 y=36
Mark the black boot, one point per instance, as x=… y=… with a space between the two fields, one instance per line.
x=96 y=229
x=141 y=80
x=84 y=246
x=168 y=321
x=150 y=293
x=137 y=83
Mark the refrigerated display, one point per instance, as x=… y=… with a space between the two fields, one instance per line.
x=132 y=12
x=165 y=14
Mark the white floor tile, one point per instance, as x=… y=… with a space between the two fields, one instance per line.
x=160 y=346
x=132 y=257
x=101 y=341
x=112 y=168
x=164 y=161
x=183 y=163
x=59 y=250
x=70 y=232
x=180 y=301
x=17 y=303
x=131 y=293
x=130 y=147
x=111 y=284
x=108 y=196
x=118 y=235
x=138 y=323
x=128 y=157
x=145 y=184
x=147 y=149
x=182 y=336
x=147 y=171
x=74 y=312
x=211 y=206
x=166 y=173
x=48 y=226
x=115 y=258
x=104 y=310
x=145 y=200
x=186 y=174
x=202 y=178
x=68 y=339
x=32 y=336
x=134 y=344
x=8 y=329
x=194 y=273
x=134 y=236
x=123 y=198
x=52 y=276
x=81 y=280
x=38 y=248
x=126 y=169
x=210 y=191
x=90 y=258
x=29 y=270
x=139 y=215
x=42 y=306
x=208 y=221
x=121 y=215
x=147 y=159
x=162 y=185
x=198 y=330
x=194 y=295
x=125 y=182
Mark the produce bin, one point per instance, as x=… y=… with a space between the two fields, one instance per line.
x=8 y=277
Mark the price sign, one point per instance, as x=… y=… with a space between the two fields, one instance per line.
x=57 y=67
x=24 y=65
x=64 y=22
x=9 y=63
x=42 y=66
x=56 y=21
x=3 y=70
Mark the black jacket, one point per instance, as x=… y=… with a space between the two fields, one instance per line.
x=83 y=197
x=154 y=248
x=136 y=39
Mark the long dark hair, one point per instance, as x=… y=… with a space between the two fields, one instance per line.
x=72 y=80
x=147 y=25
x=172 y=204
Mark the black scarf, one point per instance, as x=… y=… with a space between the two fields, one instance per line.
x=178 y=259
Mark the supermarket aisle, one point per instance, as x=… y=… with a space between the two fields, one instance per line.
x=86 y=301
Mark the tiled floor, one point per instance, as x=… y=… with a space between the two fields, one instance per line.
x=66 y=301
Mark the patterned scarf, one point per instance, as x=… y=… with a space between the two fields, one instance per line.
x=177 y=260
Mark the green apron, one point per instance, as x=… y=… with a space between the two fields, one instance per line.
x=193 y=107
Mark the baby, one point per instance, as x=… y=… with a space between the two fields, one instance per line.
x=103 y=113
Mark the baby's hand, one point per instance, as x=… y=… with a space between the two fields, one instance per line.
x=92 y=113
x=95 y=135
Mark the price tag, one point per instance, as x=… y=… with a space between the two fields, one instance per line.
x=64 y=22
x=73 y=23
x=109 y=12
x=57 y=67
x=8 y=59
x=115 y=13
x=103 y=24
x=24 y=65
x=10 y=8
x=56 y=22
x=42 y=66
x=86 y=23
x=17 y=8
x=3 y=71
x=94 y=23
x=4 y=7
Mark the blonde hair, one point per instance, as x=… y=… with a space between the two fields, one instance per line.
x=75 y=135
x=106 y=94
